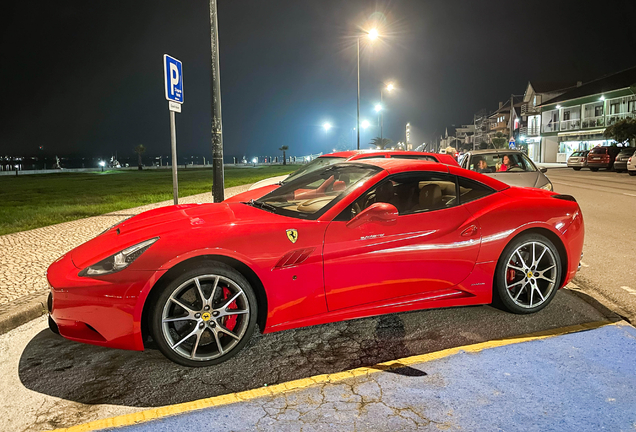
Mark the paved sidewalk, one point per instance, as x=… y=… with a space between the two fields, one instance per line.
x=26 y=255
x=582 y=381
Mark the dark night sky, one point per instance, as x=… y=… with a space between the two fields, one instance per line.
x=86 y=77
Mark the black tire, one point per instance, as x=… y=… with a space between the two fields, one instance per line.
x=210 y=331
x=576 y=168
x=505 y=290
x=594 y=169
x=632 y=173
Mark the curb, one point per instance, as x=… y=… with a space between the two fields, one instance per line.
x=21 y=311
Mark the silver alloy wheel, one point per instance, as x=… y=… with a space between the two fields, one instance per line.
x=195 y=317
x=531 y=273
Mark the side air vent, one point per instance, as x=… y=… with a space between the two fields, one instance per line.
x=294 y=257
x=565 y=197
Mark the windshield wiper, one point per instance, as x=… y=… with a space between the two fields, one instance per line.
x=262 y=205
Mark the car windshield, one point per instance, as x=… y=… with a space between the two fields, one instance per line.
x=315 y=164
x=501 y=162
x=311 y=195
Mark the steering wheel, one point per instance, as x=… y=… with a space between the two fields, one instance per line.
x=515 y=169
x=355 y=209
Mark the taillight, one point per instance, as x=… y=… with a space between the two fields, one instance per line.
x=629 y=160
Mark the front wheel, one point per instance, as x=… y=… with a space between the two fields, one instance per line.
x=577 y=169
x=632 y=173
x=528 y=274
x=594 y=169
x=205 y=316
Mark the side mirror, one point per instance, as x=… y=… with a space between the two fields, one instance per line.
x=543 y=170
x=383 y=213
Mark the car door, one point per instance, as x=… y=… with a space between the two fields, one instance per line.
x=427 y=249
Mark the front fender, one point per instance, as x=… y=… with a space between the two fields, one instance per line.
x=164 y=268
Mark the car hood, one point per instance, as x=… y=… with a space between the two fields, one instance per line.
x=522 y=179
x=165 y=221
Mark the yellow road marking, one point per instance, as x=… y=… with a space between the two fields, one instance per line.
x=151 y=414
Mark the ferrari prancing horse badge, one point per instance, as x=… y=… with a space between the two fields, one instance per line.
x=292 y=235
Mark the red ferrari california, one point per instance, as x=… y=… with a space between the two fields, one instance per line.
x=346 y=241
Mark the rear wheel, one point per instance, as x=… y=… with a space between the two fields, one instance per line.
x=632 y=173
x=594 y=169
x=577 y=168
x=205 y=316
x=528 y=274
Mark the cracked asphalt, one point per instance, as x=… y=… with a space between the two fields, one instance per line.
x=51 y=382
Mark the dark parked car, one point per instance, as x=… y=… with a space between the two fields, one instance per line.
x=578 y=160
x=620 y=164
x=602 y=157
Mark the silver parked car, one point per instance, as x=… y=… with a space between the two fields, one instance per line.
x=509 y=166
x=620 y=163
x=578 y=160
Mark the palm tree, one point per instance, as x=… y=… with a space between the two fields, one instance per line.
x=381 y=143
x=284 y=149
x=140 y=149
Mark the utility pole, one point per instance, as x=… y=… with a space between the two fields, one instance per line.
x=218 y=185
x=358 y=116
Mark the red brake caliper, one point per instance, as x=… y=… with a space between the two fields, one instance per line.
x=510 y=275
x=229 y=321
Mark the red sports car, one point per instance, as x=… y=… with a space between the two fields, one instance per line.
x=350 y=240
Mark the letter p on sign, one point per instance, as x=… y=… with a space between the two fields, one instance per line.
x=173 y=78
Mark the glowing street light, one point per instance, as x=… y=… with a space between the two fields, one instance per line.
x=101 y=164
x=365 y=124
x=390 y=86
x=373 y=34
x=326 y=126
x=378 y=108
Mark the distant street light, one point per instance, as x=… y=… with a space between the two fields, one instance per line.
x=372 y=35
x=326 y=126
x=365 y=124
x=101 y=164
x=378 y=108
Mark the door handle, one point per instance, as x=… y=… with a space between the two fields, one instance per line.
x=470 y=231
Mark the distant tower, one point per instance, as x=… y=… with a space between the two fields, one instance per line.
x=408 y=146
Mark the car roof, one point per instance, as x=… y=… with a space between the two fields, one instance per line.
x=353 y=154
x=395 y=166
x=357 y=154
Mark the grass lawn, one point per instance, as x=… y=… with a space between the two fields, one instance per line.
x=33 y=201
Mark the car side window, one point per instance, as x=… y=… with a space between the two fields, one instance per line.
x=470 y=190
x=410 y=193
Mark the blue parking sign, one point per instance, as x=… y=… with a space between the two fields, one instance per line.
x=173 y=78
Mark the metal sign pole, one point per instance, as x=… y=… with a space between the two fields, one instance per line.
x=173 y=142
x=173 y=86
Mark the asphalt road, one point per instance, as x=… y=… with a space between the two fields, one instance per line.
x=608 y=202
x=50 y=382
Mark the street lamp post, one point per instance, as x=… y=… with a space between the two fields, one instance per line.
x=389 y=87
x=372 y=34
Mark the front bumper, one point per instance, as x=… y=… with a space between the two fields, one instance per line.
x=100 y=311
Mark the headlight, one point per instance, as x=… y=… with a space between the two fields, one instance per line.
x=547 y=186
x=119 y=261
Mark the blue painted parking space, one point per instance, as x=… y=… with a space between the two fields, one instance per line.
x=580 y=381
